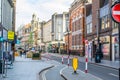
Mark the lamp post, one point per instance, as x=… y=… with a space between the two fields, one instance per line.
x=68 y=41
x=67 y=26
x=98 y=50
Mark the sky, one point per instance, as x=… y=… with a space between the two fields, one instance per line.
x=42 y=8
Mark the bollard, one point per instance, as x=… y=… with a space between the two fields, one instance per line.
x=47 y=56
x=86 y=64
x=68 y=61
x=62 y=59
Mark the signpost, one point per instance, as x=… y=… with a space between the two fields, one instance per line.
x=115 y=13
x=75 y=64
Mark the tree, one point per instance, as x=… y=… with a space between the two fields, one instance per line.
x=30 y=41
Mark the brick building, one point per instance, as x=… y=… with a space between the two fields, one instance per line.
x=101 y=25
x=77 y=23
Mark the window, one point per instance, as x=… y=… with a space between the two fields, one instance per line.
x=72 y=27
x=102 y=20
x=105 y=21
x=115 y=25
x=89 y=28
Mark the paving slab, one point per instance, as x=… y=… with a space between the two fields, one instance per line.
x=26 y=69
x=68 y=74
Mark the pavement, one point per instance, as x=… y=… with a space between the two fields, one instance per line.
x=68 y=74
x=105 y=63
x=25 y=69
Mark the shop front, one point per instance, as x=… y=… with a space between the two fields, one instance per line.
x=105 y=47
x=115 y=48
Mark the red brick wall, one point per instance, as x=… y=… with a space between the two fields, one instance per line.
x=79 y=9
x=95 y=7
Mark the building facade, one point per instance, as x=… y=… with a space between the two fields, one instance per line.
x=34 y=29
x=59 y=22
x=6 y=22
x=20 y=37
x=115 y=41
x=88 y=29
x=77 y=23
x=41 y=44
x=47 y=35
x=99 y=25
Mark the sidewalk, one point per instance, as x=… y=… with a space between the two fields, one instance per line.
x=26 y=69
x=106 y=63
x=68 y=74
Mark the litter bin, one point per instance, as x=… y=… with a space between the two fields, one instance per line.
x=97 y=58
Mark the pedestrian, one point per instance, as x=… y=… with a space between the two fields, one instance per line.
x=20 y=53
x=25 y=53
x=11 y=57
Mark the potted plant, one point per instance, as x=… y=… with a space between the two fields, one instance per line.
x=36 y=56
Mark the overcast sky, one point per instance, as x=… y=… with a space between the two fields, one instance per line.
x=42 y=8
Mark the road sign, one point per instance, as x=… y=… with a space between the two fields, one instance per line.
x=75 y=63
x=10 y=35
x=115 y=12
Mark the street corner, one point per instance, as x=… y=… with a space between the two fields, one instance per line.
x=68 y=74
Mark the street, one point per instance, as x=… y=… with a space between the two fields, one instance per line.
x=104 y=73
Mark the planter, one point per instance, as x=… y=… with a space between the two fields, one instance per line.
x=36 y=56
x=16 y=54
x=29 y=55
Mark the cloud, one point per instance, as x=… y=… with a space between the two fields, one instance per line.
x=43 y=8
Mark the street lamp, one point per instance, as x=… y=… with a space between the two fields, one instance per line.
x=68 y=41
x=98 y=50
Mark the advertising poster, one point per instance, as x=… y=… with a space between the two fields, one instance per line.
x=106 y=49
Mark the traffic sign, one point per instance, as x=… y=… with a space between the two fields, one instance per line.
x=75 y=63
x=115 y=12
x=10 y=35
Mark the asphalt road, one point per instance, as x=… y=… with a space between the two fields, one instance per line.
x=105 y=73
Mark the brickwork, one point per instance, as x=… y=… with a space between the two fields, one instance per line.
x=77 y=28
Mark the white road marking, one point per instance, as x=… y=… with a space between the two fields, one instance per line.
x=113 y=74
x=63 y=69
x=116 y=12
x=43 y=75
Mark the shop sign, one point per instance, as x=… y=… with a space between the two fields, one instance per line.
x=10 y=35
